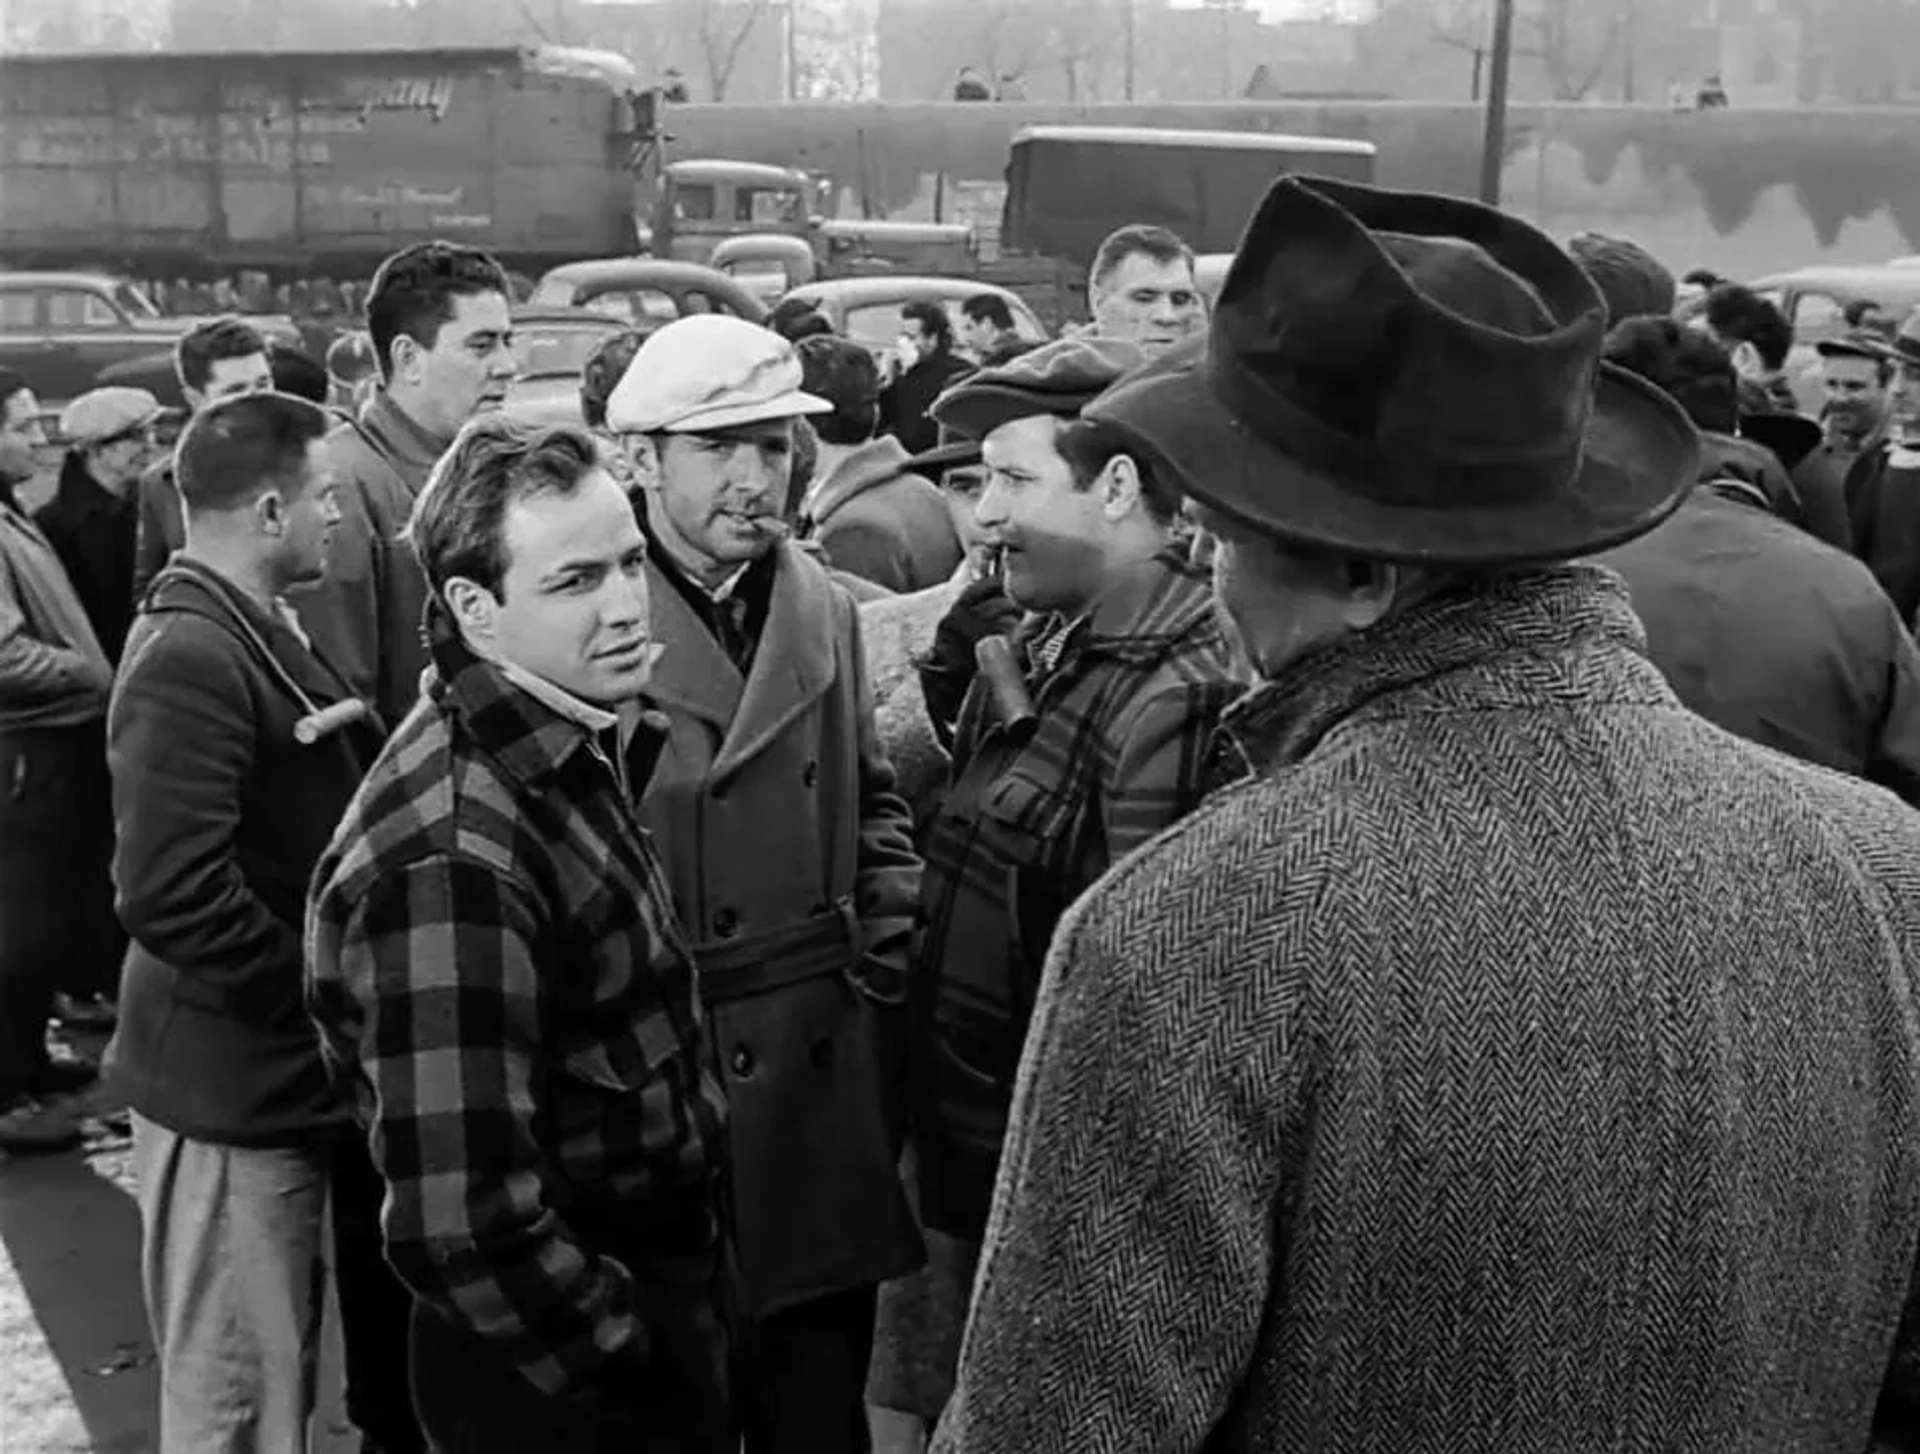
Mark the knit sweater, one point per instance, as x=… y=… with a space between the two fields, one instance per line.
x=1515 y=1062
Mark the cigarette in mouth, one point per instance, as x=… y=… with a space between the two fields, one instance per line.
x=770 y=525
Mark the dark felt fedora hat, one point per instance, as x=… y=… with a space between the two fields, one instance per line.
x=1405 y=377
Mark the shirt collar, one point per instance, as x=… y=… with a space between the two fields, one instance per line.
x=594 y=719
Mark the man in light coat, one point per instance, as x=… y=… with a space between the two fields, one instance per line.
x=1514 y=1060
x=790 y=860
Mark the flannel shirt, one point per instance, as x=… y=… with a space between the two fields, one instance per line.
x=1123 y=743
x=503 y=989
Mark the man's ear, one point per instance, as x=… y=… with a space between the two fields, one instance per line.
x=1372 y=588
x=1119 y=487
x=270 y=512
x=475 y=609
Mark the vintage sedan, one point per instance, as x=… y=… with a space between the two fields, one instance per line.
x=68 y=332
x=552 y=346
x=645 y=291
x=868 y=309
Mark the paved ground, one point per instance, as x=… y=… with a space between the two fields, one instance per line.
x=77 y=1359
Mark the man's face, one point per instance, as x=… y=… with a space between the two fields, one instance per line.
x=915 y=342
x=719 y=497
x=572 y=607
x=1152 y=303
x=1856 y=395
x=310 y=511
x=22 y=437
x=228 y=378
x=961 y=488
x=978 y=334
x=1050 y=535
x=1903 y=401
x=467 y=370
x=1276 y=609
x=118 y=463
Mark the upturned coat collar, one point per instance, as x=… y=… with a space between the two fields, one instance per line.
x=1551 y=637
x=1145 y=610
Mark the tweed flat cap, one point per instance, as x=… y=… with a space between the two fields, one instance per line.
x=707 y=372
x=1059 y=378
x=102 y=414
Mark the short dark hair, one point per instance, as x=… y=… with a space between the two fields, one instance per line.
x=237 y=447
x=797 y=318
x=988 y=308
x=1632 y=281
x=605 y=367
x=1703 y=278
x=205 y=344
x=1695 y=369
x=413 y=293
x=844 y=374
x=299 y=373
x=458 y=523
x=933 y=320
x=1739 y=314
x=1137 y=237
x=11 y=383
x=1090 y=445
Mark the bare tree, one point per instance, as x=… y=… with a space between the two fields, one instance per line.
x=1574 y=41
x=724 y=28
x=836 y=52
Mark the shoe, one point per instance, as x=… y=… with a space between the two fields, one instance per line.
x=28 y=1128
x=90 y=1012
x=63 y=1078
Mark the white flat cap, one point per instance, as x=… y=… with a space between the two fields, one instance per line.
x=707 y=372
x=101 y=414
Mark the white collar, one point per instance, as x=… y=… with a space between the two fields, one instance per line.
x=594 y=719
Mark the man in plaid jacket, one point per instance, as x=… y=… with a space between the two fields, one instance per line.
x=1097 y=735
x=500 y=981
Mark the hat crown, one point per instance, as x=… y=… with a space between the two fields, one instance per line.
x=709 y=371
x=1433 y=350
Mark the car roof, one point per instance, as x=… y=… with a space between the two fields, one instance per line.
x=1865 y=281
x=8 y=277
x=638 y=270
x=1213 y=140
x=893 y=288
x=551 y=313
x=715 y=169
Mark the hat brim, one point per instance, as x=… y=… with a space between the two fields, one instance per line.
x=945 y=457
x=1791 y=437
x=791 y=405
x=976 y=410
x=1854 y=348
x=1641 y=458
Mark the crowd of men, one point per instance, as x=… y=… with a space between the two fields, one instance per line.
x=1331 y=875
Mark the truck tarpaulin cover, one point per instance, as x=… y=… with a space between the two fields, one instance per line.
x=1068 y=186
x=286 y=157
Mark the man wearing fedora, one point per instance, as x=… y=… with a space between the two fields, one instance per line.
x=1095 y=736
x=1514 y=1060
x=790 y=860
x=1756 y=625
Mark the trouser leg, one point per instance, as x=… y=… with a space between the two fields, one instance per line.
x=804 y=1377
x=232 y=1270
x=40 y=903
x=375 y=1306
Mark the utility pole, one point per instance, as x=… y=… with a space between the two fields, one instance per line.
x=1132 y=27
x=793 y=50
x=1493 y=152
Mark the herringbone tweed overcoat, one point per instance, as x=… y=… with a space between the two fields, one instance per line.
x=1516 y=1062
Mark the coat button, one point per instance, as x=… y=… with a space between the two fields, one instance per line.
x=823 y=1053
x=726 y=923
x=719 y=792
x=741 y=1061
x=811 y=773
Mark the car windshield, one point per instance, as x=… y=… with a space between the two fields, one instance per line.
x=554 y=350
x=133 y=302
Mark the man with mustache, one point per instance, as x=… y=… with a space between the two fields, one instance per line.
x=790 y=859
x=437 y=316
x=495 y=967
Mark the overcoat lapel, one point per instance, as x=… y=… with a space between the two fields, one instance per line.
x=693 y=674
x=793 y=666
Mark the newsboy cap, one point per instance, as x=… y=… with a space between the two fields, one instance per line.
x=708 y=372
x=102 y=414
x=1059 y=378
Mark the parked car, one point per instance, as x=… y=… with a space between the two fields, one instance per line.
x=645 y=290
x=868 y=309
x=68 y=332
x=1815 y=299
x=553 y=346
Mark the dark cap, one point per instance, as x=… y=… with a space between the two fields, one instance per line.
x=1059 y=378
x=952 y=452
x=1867 y=342
x=604 y=368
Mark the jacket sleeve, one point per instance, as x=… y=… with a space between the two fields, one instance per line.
x=434 y=987
x=402 y=596
x=37 y=672
x=153 y=542
x=180 y=744
x=1163 y=763
x=887 y=879
x=863 y=548
x=1132 y=1242
x=1895 y=757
